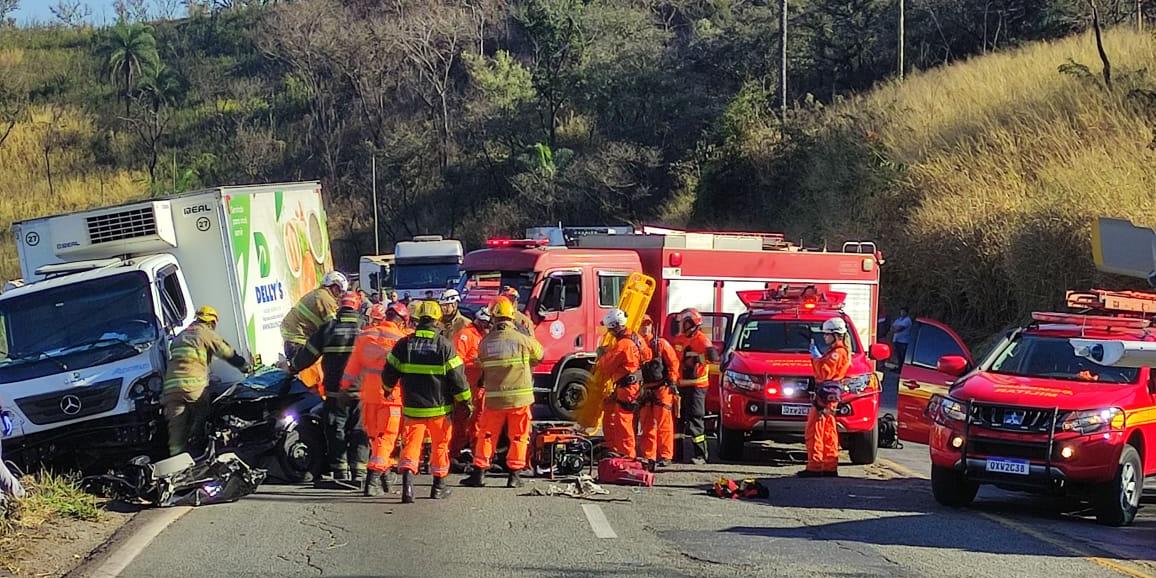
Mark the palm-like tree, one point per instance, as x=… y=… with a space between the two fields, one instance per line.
x=160 y=85
x=128 y=50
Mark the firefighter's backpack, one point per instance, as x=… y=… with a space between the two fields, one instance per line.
x=889 y=432
x=654 y=371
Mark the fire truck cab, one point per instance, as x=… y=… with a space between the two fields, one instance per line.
x=767 y=375
x=567 y=290
x=1040 y=412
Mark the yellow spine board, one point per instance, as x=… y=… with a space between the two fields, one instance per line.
x=634 y=301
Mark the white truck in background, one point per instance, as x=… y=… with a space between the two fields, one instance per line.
x=375 y=274
x=84 y=345
x=426 y=266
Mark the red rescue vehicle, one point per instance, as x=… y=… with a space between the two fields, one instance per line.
x=767 y=376
x=1040 y=413
x=567 y=290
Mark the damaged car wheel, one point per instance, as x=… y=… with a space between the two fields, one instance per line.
x=301 y=453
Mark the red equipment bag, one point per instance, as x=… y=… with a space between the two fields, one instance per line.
x=624 y=472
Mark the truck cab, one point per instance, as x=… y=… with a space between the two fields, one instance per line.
x=767 y=376
x=565 y=292
x=83 y=357
x=426 y=266
x=1040 y=414
x=375 y=273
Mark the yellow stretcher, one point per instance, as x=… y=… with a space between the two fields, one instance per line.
x=634 y=301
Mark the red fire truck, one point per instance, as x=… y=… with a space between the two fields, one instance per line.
x=567 y=290
x=767 y=374
x=1045 y=411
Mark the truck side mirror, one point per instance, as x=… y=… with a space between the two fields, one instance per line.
x=954 y=365
x=879 y=352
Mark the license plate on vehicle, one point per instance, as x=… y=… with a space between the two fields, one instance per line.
x=796 y=409
x=1004 y=466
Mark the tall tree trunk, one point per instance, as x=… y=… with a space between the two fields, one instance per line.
x=1100 y=45
x=48 y=170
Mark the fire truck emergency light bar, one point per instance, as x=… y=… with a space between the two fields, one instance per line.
x=786 y=297
x=516 y=243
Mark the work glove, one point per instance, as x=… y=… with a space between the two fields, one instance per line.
x=247 y=369
x=468 y=408
x=628 y=380
x=6 y=422
x=631 y=406
x=815 y=353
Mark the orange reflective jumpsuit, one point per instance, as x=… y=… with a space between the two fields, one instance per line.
x=466 y=430
x=822 y=433
x=506 y=358
x=381 y=414
x=622 y=364
x=694 y=352
x=657 y=413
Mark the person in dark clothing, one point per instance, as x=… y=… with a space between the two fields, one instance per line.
x=346 y=442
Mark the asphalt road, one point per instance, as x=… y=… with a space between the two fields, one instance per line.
x=878 y=520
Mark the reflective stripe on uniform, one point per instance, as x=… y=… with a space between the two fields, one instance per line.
x=463 y=396
x=695 y=381
x=698 y=439
x=423 y=368
x=509 y=393
x=420 y=412
x=507 y=362
x=426 y=333
x=303 y=310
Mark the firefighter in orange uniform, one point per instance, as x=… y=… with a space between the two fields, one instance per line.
x=623 y=365
x=822 y=433
x=432 y=382
x=659 y=376
x=506 y=356
x=694 y=350
x=466 y=342
x=381 y=414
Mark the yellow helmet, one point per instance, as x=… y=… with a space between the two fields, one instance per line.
x=502 y=308
x=207 y=314
x=428 y=308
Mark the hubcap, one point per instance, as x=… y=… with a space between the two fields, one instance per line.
x=1129 y=486
x=299 y=456
x=572 y=395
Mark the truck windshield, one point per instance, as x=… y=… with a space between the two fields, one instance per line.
x=481 y=287
x=424 y=276
x=75 y=326
x=1054 y=358
x=781 y=336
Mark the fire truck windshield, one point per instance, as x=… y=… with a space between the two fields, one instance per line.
x=481 y=287
x=1053 y=358
x=781 y=336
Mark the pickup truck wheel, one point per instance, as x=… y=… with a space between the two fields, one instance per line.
x=1117 y=502
x=731 y=445
x=301 y=453
x=864 y=447
x=951 y=488
x=569 y=393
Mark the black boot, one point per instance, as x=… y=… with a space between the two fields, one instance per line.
x=477 y=479
x=358 y=474
x=388 y=479
x=514 y=481
x=373 y=485
x=440 y=490
x=407 y=487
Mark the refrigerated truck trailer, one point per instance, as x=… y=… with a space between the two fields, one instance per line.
x=85 y=340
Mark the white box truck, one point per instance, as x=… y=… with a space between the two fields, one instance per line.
x=85 y=340
x=426 y=266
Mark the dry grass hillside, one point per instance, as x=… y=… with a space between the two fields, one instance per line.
x=1003 y=163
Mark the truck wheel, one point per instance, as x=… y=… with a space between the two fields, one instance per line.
x=1116 y=502
x=951 y=488
x=569 y=393
x=301 y=453
x=863 y=447
x=731 y=445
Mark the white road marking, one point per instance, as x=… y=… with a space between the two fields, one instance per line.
x=128 y=550
x=598 y=521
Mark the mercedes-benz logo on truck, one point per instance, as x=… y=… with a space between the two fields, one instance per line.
x=70 y=405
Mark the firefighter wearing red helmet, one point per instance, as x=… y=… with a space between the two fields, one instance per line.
x=695 y=350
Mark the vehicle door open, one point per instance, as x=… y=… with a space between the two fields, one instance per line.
x=936 y=358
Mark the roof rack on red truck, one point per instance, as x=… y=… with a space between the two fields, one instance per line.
x=566 y=291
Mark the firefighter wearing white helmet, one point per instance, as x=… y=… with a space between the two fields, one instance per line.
x=315 y=309
x=822 y=431
x=452 y=319
x=622 y=364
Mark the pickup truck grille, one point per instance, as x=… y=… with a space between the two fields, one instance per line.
x=1016 y=419
x=74 y=403
x=1008 y=449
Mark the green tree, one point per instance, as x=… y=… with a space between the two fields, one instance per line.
x=558 y=42
x=128 y=50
